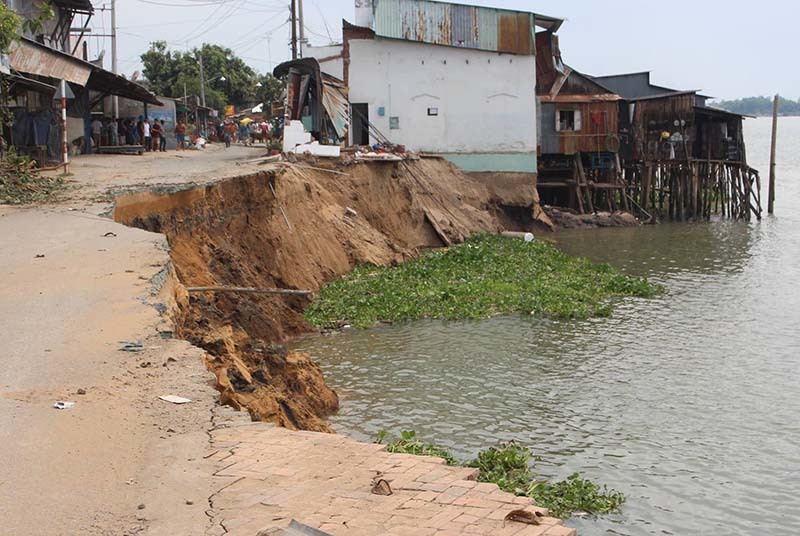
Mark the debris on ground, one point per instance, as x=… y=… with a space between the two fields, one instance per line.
x=81 y=391
x=381 y=487
x=128 y=346
x=64 y=405
x=175 y=399
x=524 y=516
x=21 y=185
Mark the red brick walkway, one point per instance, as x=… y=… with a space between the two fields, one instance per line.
x=269 y=476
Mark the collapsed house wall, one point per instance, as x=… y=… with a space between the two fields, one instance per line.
x=233 y=233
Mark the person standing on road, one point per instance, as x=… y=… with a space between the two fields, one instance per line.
x=140 y=131
x=146 y=134
x=180 y=134
x=155 y=134
x=97 y=130
x=264 y=132
x=163 y=145
x=122 y=133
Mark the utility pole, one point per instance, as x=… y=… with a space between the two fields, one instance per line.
x=114 y=51
x=294 y=29
x=772 y=151
x=64 y=137
x=202 y=81
x=302 y=41
x=203 y=94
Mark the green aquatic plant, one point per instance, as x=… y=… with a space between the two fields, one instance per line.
x=575 y=494
x=510 y=467
x=409 y=444
x=485 y=276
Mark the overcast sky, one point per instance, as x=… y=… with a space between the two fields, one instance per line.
x=727 y=48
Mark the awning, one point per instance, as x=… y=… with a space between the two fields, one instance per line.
x=31 y=58
x=29 y=83
x=114 y=84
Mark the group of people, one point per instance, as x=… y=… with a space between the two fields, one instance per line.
x=231 y=131
x=152 y=136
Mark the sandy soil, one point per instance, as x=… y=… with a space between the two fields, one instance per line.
x=297 y=226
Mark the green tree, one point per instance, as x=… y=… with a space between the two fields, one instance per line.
x=169 y=72
x=761 y=106
x=10 y=24
x=160 y=68
x=271 y=90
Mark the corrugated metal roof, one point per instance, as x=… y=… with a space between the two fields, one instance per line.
x=459 y=25
x=29 y=57
x=26 y=56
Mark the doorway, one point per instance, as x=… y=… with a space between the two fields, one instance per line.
x=360 y=123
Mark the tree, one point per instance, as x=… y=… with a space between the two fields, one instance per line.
x=761 y=106
x=10 y=24
x=169 y=72
x=271 y=90
x=160 y=68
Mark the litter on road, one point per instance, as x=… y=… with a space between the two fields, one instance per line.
x=128 y=346
x=175 y=399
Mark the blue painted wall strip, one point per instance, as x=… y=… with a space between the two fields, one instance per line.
x=509 y=162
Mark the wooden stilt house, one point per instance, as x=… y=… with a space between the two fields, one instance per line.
x=682 y=159
x=578 y=142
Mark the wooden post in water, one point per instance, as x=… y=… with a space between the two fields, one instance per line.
x=771 y=198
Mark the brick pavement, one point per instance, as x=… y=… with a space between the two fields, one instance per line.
x=268 y=476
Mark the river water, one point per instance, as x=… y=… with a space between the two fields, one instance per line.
x=688 y=403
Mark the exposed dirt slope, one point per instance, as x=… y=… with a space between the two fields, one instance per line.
x=233 y=233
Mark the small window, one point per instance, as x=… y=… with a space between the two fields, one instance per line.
x=568 y=121
x=394 y=123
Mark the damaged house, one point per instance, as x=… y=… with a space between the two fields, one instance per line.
x=441 y=78
x=35 y=67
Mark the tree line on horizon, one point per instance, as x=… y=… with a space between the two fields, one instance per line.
x=759 y=106
x=228 y=78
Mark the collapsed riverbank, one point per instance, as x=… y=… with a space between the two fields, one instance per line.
x=298 y=226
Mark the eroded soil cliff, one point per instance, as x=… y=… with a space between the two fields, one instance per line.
x=295 y=227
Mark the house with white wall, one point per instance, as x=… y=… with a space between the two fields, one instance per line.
x=442 y=78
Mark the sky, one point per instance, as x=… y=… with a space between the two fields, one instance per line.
x=726 y=48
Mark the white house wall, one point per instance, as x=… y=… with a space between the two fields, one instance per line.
x=486 y=103
x=331 y=56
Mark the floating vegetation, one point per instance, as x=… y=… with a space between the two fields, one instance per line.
x=486 y=276
x=510 y=467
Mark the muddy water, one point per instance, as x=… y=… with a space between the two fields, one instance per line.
x=688 y=403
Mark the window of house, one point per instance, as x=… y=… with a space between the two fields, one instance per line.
x=568 y=121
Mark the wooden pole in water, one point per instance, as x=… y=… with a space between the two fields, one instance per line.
x=771 y=199
x=249 y=290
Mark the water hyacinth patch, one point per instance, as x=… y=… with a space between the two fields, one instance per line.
x=486 y=276
x=510 y=467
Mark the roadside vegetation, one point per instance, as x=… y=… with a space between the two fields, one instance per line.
x=509 y=466
x=20 y=185
x=486 y=276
